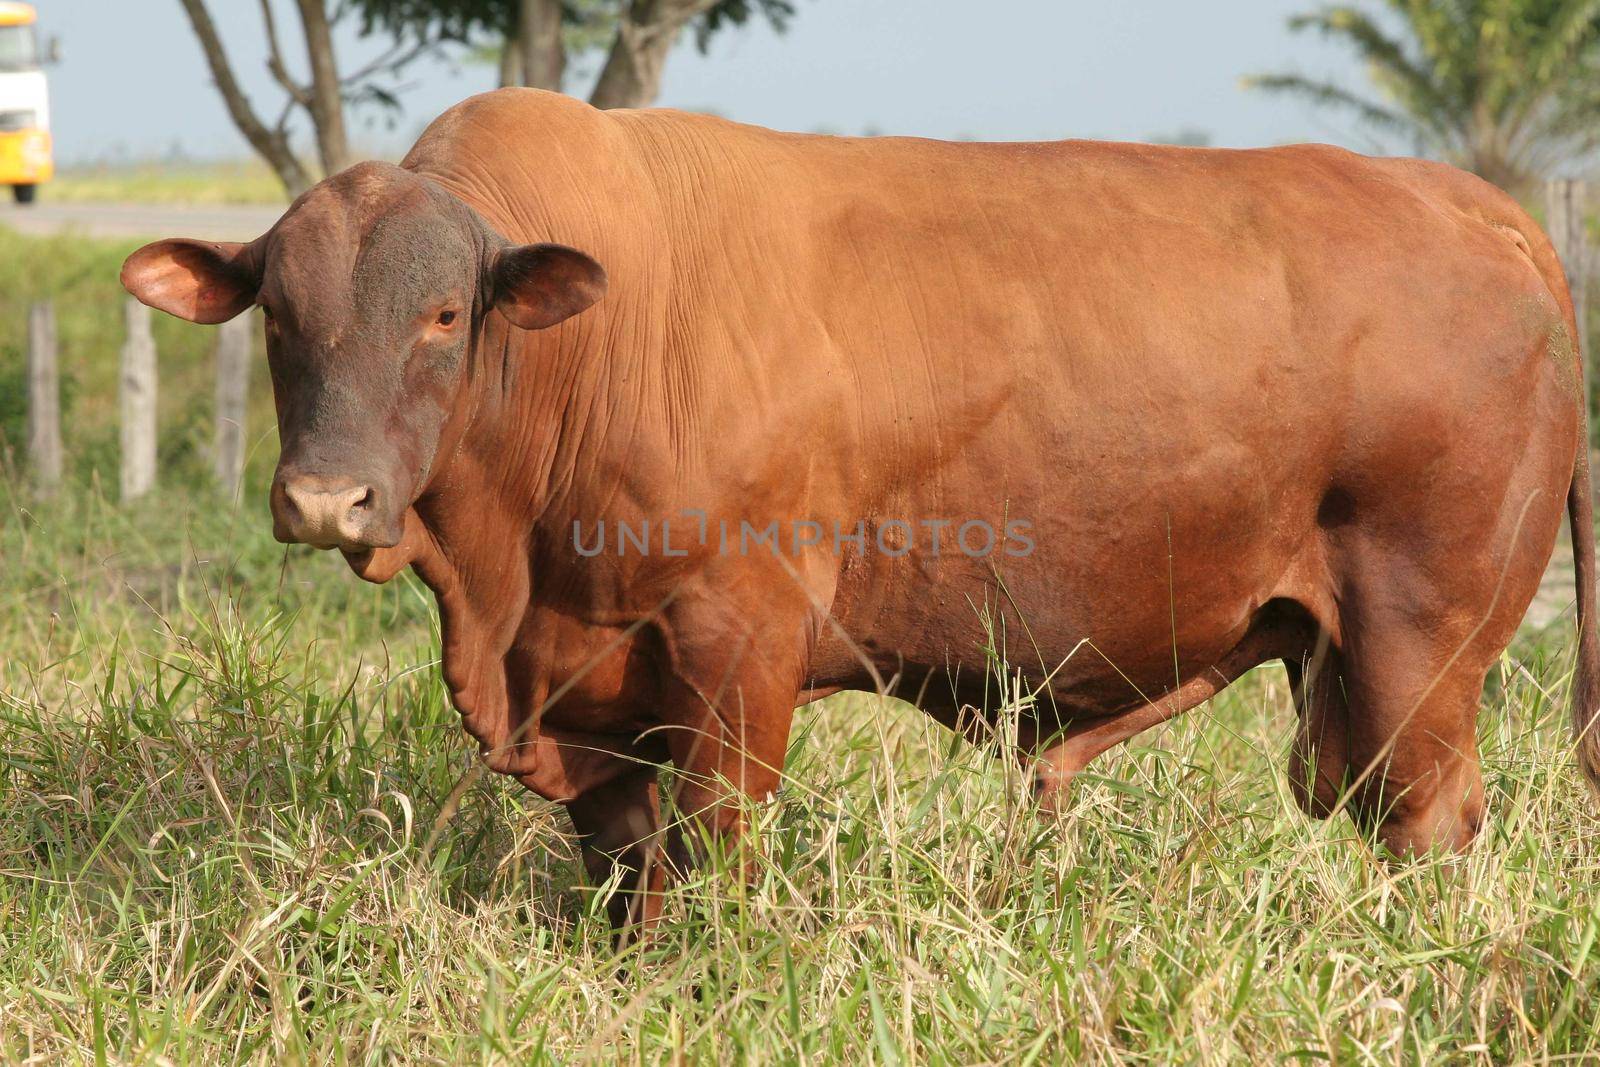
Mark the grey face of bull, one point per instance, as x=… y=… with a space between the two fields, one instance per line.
x=373 y=286
x=365 y=345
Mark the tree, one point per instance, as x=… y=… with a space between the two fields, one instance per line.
x=322 y=97
x=542 y=38
x=1509 y=89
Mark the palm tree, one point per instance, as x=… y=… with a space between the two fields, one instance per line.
x=1508 y=89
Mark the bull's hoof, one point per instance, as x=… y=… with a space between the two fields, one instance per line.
x=1438 y=830
x=1051 y=789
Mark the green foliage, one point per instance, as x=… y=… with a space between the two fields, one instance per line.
x=736 y=13
x=589 y=24
x=13 y=400
x=1509 y=89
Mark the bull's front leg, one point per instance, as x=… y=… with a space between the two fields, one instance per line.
x=727 y=746
x=729 y=678
x=730 y=697
x=619 y=833
x=727 y=755
x=728 y=758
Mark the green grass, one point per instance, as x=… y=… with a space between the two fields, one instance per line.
x=247 y=181
x=222 y=762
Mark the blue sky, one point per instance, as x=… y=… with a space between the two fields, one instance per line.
x=133 y=83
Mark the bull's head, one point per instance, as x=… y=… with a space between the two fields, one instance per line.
x=373 y=285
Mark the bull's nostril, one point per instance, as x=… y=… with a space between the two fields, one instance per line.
x=307 y=510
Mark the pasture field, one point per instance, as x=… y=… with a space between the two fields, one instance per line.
x=240 y=823
x=244 y=181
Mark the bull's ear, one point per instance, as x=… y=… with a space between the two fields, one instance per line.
x=202 y=281
x=537 y=286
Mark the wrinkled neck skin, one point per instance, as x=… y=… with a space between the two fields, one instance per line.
x=548 y=426
x=507 y=479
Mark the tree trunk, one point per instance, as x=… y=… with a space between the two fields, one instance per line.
x=544 y=60
x=645 y=35
x=511 y=61
x=327 y=99
x=270 y=144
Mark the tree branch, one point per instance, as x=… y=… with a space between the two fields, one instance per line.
x=275 y=66
x=271 y=145
x=327 y=96
x=645 y=34
x=390 y=62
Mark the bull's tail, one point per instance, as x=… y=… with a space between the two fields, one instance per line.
x=1580 y=513
x=1586 y=674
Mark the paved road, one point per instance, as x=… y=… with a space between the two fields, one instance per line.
x=215 y=223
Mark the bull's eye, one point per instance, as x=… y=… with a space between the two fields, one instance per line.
x=446 y=317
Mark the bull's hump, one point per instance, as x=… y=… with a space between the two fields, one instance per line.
x=348 y=203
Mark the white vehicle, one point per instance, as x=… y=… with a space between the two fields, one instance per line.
x=25 y=154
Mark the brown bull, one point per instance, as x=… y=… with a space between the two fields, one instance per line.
x=688 y=423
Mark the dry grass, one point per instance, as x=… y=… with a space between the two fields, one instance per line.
x=221 y=763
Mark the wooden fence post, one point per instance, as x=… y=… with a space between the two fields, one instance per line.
x=138 y=402
x=44 y=398
x=233 y=382
x=1565 y=200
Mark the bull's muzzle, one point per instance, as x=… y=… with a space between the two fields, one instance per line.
x=329 y=512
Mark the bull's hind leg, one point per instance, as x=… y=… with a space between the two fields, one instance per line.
x=1319 y=758
x=1389 y=721
x=1388 y=733
x=1456 y=481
